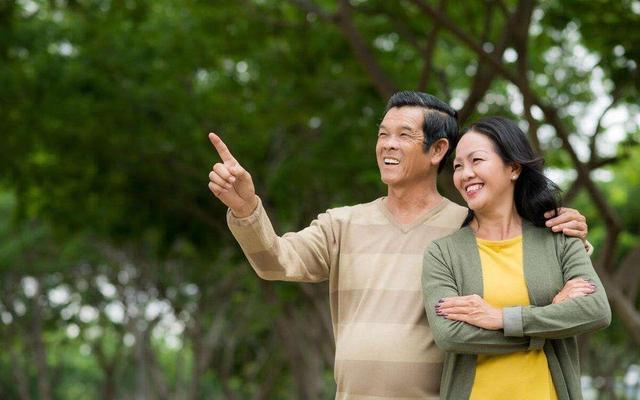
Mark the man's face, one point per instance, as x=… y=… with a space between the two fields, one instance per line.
x=399 y=153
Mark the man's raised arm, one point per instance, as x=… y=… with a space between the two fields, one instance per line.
x=304 y=256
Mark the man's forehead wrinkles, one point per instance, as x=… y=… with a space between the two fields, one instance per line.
x=403 y=126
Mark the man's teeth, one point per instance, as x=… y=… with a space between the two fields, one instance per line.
x=391 y=161
x=477 y=186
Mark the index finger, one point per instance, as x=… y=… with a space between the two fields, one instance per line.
x=558 y=211
x=455 y=301
x=221 y=148
x=562 y=217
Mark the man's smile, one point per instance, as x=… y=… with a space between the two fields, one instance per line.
x=391 y=161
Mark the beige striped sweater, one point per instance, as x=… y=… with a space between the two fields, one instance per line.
x=384 y=347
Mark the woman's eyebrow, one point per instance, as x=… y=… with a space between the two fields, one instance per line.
x=476 y=151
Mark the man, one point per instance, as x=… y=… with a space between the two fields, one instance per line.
x=370 y=253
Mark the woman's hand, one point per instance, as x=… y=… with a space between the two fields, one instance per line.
x=470 y=309
x=577 y=287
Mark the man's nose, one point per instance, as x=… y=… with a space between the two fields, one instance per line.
x=391 y=142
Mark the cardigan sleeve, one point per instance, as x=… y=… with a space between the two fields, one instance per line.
x=303 y=256
x=438 y=281
x=571 y=317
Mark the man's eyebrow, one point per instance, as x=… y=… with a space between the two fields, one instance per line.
x=403 y=127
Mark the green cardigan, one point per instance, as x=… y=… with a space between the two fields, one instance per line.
x=452 y=268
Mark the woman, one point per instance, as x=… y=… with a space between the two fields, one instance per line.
x=489 y=288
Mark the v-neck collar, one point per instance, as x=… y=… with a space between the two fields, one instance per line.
x=533 y=245
x=404 y=228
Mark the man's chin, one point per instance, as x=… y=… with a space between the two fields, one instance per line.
x=387 y=180
x=394 y=182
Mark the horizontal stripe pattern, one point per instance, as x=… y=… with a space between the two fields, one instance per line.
x=380 y=306
x=380 y=271
x=404 y=380
x=375 y=239
x=384 y=346
x=386 y=342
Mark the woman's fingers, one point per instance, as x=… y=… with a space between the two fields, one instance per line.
x=454 y=310
x=460 y=300
x=457 y=317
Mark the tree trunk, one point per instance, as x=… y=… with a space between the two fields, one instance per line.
x=39 y=348
x=19 y=375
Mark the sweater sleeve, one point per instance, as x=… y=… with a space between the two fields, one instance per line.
x=303 y=256
x=571 y=317
x=438 y=281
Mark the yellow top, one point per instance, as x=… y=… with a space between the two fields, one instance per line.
x=522 y=375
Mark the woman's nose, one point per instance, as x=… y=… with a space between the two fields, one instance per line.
x=467 y=172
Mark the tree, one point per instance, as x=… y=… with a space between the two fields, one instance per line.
x=105 y=108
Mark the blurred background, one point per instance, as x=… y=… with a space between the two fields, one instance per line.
x=118 y=276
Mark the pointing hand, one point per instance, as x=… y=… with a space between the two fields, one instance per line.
x=231 y=183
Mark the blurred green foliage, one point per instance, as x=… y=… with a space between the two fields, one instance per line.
x=115 y=261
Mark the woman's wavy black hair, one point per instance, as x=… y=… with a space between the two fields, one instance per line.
x=534 y=193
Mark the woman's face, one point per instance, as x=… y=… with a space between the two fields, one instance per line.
x=483 y=179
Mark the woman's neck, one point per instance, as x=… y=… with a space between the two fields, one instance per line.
x=497 y=224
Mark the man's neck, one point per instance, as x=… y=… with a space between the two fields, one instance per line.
x=407 y=204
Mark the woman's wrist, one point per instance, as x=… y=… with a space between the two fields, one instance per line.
x=498 y=318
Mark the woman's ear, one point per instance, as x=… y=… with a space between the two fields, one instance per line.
x=516 y=170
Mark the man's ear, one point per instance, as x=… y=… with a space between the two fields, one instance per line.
x=438 y=150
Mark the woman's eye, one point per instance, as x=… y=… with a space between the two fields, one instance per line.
x=380 y=134
x=457 y=166
x=475 y=160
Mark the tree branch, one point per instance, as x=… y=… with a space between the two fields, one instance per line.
x=381 y=81
x=363 y=53
x=625 y=308
x=516 y=27
x=598 y=128
x=427 y=52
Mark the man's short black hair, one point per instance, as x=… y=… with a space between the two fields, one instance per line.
x=440 y=120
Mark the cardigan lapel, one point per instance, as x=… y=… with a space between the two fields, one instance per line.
x=540 y=263
x=470 y=258
x=542 y=272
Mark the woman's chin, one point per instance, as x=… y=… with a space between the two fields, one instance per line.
x=474 y=206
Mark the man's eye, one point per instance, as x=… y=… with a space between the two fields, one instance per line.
x=457 y=166
x=382 y=134
x=475 y=160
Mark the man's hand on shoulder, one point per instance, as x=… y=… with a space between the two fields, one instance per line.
x=568 y=221
x=231 y=183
